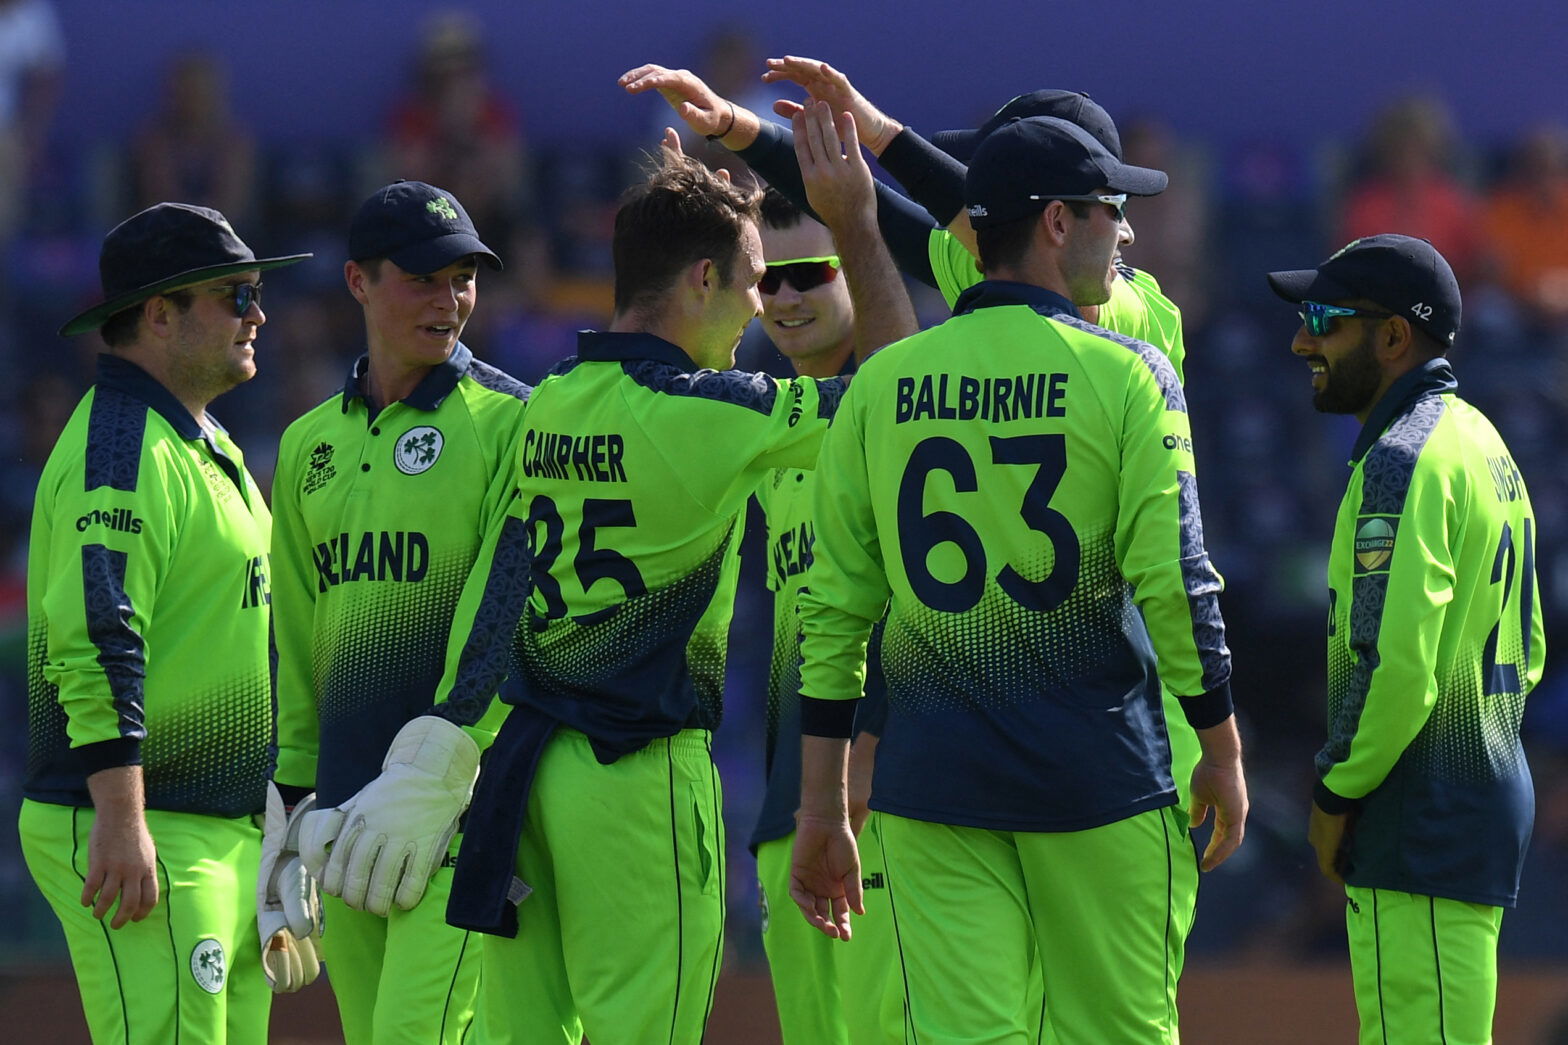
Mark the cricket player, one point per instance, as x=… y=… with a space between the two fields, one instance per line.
x=1424 y=803
x=384 y=495
x=1020 y=484
x=147 y=754
x=594 y=849
x=825 y=992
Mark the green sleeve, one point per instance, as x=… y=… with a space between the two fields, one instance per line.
x=1138 y=308
x=953 y=266
x=792 y=434
x=1159 y=535
x=488 y=610
x=102 y=589
x=293 y=622
x=1395 y=621
x=847 y=588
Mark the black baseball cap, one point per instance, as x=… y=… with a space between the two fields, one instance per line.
x=1403 y=274
x=1072 y=106
x=419 y=227
x=1025 y=163
x=165 y=247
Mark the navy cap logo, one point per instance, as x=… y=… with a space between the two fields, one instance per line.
x=442 y=208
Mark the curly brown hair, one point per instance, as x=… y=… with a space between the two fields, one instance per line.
x=681 y=213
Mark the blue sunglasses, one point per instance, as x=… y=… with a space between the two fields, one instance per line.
x=1319 y=318
x=244 y=295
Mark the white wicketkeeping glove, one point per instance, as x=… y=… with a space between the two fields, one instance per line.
x=383 y=844
x=288 y=906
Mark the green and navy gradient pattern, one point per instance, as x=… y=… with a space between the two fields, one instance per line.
x=147 y=607
x=1023 y=555
x=362 y=640
x=632 y=566
x=1432 y=650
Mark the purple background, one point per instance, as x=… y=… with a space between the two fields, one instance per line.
x=1223 y=71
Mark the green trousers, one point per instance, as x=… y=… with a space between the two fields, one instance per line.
x=622 y=935
x=987 y=920
x=406 y=979
x=1425 y=968
x=831 y=992
x=188 y=972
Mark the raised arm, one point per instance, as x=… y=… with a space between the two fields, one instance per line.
x=840 y=189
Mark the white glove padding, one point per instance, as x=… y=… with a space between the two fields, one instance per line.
x=288 y=904
x=290 y=961
x=383 y=844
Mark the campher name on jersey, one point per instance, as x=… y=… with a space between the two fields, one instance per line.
x=560 y=455
x=386 y=555
x=958 y=397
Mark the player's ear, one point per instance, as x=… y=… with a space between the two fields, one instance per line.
x=702 y=277
x=1396 y=338
x=356 y=277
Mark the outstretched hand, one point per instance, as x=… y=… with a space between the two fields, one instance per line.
x=838 y=182
x=826 y=84
x=692 y=99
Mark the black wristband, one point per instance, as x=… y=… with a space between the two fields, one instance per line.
x=1330 y=802
x=1208 y=709
x=292 y=794
x=728 y=127
x=930 y=176
x=834 y=719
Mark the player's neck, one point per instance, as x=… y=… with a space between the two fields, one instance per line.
x=389 y=381
x=829 y=363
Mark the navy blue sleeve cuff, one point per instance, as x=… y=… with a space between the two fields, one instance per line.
x=834 y=719
x=109 y=754
x=1208 y=709
x=292 y=795
x=932 y=178
x=1329 y=802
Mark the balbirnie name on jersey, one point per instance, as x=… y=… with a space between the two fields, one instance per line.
x=385 y=555
x=958 y=397
x=588 y=458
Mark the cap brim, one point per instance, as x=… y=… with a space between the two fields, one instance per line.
x=98 y=315
x=436 y=254
x=960 y=145
x=1137 y=181
x=1297 y=285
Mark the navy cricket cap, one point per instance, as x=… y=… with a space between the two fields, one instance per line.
x=1024 y=164
x=165 y=247
x=1072 y=106
x=419 y=227
x=1403 y=274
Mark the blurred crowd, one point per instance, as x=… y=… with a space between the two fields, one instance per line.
x=1272 y=470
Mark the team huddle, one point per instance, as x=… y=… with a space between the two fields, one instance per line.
x=999 y=694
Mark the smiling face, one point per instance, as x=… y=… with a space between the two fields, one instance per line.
x=412 y=319
x=813 y=329
x=1347 y=376
x=729 y=308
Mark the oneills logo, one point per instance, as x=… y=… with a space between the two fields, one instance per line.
x=1374 y=544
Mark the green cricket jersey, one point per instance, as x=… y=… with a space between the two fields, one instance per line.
x=1435 y=637
x=147 y=607
x=1137 y=307
x=634 y=467
x=1021 y=484
x=380 y=516
x=785 y=498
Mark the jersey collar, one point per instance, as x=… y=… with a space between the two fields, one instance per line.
x=604 y=346
x=432 y=389
x=993 y=292
x=1434 y=377
x=122 y=375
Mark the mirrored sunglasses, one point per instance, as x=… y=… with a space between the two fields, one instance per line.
x=1319 y=318
x=801 y=273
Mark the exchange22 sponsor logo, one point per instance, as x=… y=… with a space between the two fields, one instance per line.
x=1374 y=545
x=417 y=449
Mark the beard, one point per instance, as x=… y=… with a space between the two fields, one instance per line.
x=1350 y=384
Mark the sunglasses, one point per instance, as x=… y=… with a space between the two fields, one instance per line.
x=244 y=294
x=1117 y=202
x=1319 y=318
x=801 y=273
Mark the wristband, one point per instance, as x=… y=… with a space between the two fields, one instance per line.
x=728 y=127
